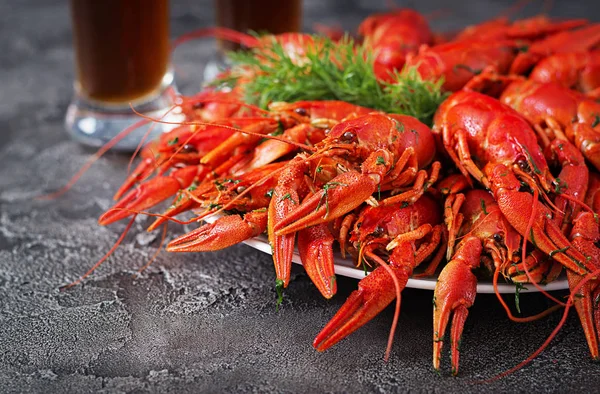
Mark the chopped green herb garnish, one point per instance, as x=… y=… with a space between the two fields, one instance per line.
x=341 y=70
x=467 y=68
x=518 y=288
x=483 y=207
x=326 y=187
x=287 y=196
x=399 y=126
x=560 y=186
x=193 y=186
x=561 y=250
x=279 y=290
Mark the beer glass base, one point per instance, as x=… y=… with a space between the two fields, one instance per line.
x=216 y=65
x=93 y=124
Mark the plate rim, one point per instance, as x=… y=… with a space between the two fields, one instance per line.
x=345 y=267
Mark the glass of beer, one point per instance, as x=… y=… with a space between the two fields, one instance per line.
x=122 y=59
x=260 y=16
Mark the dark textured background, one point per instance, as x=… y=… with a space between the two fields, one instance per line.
x=203 y=322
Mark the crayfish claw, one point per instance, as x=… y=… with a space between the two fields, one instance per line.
x=588 y=315
x=339 y=196
x=375 y=292
x=315 y=245
x=142 y=197
x=224 y=232
x=454 y=293
x=585 y=235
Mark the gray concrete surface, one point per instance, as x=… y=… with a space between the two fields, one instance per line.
x=203 y=322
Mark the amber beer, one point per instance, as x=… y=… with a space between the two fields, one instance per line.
x=121 y=48
x=269 y=16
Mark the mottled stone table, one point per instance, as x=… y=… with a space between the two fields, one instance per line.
x=203 y=322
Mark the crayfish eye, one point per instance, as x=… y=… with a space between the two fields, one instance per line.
x=378 y=232
x=188 y=148
x=523 y=165
x=348 y=136
x=301 y=111
x=198 y=105
x=498 y=237
x=525 y=188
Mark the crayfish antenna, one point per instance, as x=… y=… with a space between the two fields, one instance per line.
x=109 y=145
x=99 y=263
x=218 y=32
x=527 y=319
x=591 y=276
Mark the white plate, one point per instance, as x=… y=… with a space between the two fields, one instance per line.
x=345 y=267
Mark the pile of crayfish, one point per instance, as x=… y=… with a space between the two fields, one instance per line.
x=505 y=179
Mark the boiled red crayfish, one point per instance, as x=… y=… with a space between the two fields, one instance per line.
x=461 y=61
x=575 y=70
x=558 y=111
x=484 y=235
x=531 y=28
x=405 y=236
x=392 y=36
x=491 y=142
x=223 y=148
x=391 y=152
x=385 y=152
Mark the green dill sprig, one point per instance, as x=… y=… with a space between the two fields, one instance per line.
x=331 y=70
